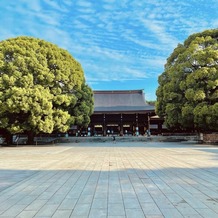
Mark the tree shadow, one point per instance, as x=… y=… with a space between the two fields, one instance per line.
x=183 y=187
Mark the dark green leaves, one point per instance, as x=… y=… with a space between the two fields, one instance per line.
x=39 y=84
x=187 y=95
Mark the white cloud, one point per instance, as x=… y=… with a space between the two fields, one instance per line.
x=57 y=5
x=113 y=40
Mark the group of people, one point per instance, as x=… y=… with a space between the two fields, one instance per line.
x=114 y=138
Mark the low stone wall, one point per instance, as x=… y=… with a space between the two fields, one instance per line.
x=210 y=138
x=160 y=138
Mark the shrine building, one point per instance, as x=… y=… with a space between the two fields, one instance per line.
x=123 y=112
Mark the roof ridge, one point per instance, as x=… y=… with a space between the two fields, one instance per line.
x=118 y=91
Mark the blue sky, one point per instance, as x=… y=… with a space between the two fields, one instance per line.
x=121 y=44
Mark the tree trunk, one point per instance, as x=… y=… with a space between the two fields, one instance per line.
x=30 y=140
x=9 y=138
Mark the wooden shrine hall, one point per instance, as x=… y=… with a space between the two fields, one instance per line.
x=123 y=113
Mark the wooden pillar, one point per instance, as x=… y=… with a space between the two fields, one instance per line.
x=149 y=132
x=148 y=121
x=104 y=126
x=136 y=119
x=121 y=124
x=137 y=125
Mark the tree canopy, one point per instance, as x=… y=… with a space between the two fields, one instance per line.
x=42 y=88
x=187 y=96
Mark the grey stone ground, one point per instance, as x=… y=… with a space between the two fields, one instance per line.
x=126 y=179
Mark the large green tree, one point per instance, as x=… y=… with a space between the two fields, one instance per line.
x=187 y=96
x=42 y=88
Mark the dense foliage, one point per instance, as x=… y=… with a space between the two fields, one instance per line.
x=42 y=88
x=187 y=96
x=151 y=103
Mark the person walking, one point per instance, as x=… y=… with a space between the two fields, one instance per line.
x=114 y=139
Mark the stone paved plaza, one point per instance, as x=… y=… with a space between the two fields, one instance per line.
x=126 y=179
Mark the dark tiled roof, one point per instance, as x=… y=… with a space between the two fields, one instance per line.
x=121 y=101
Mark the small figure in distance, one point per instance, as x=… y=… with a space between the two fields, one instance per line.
x=114 y=139
x=148 y=133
